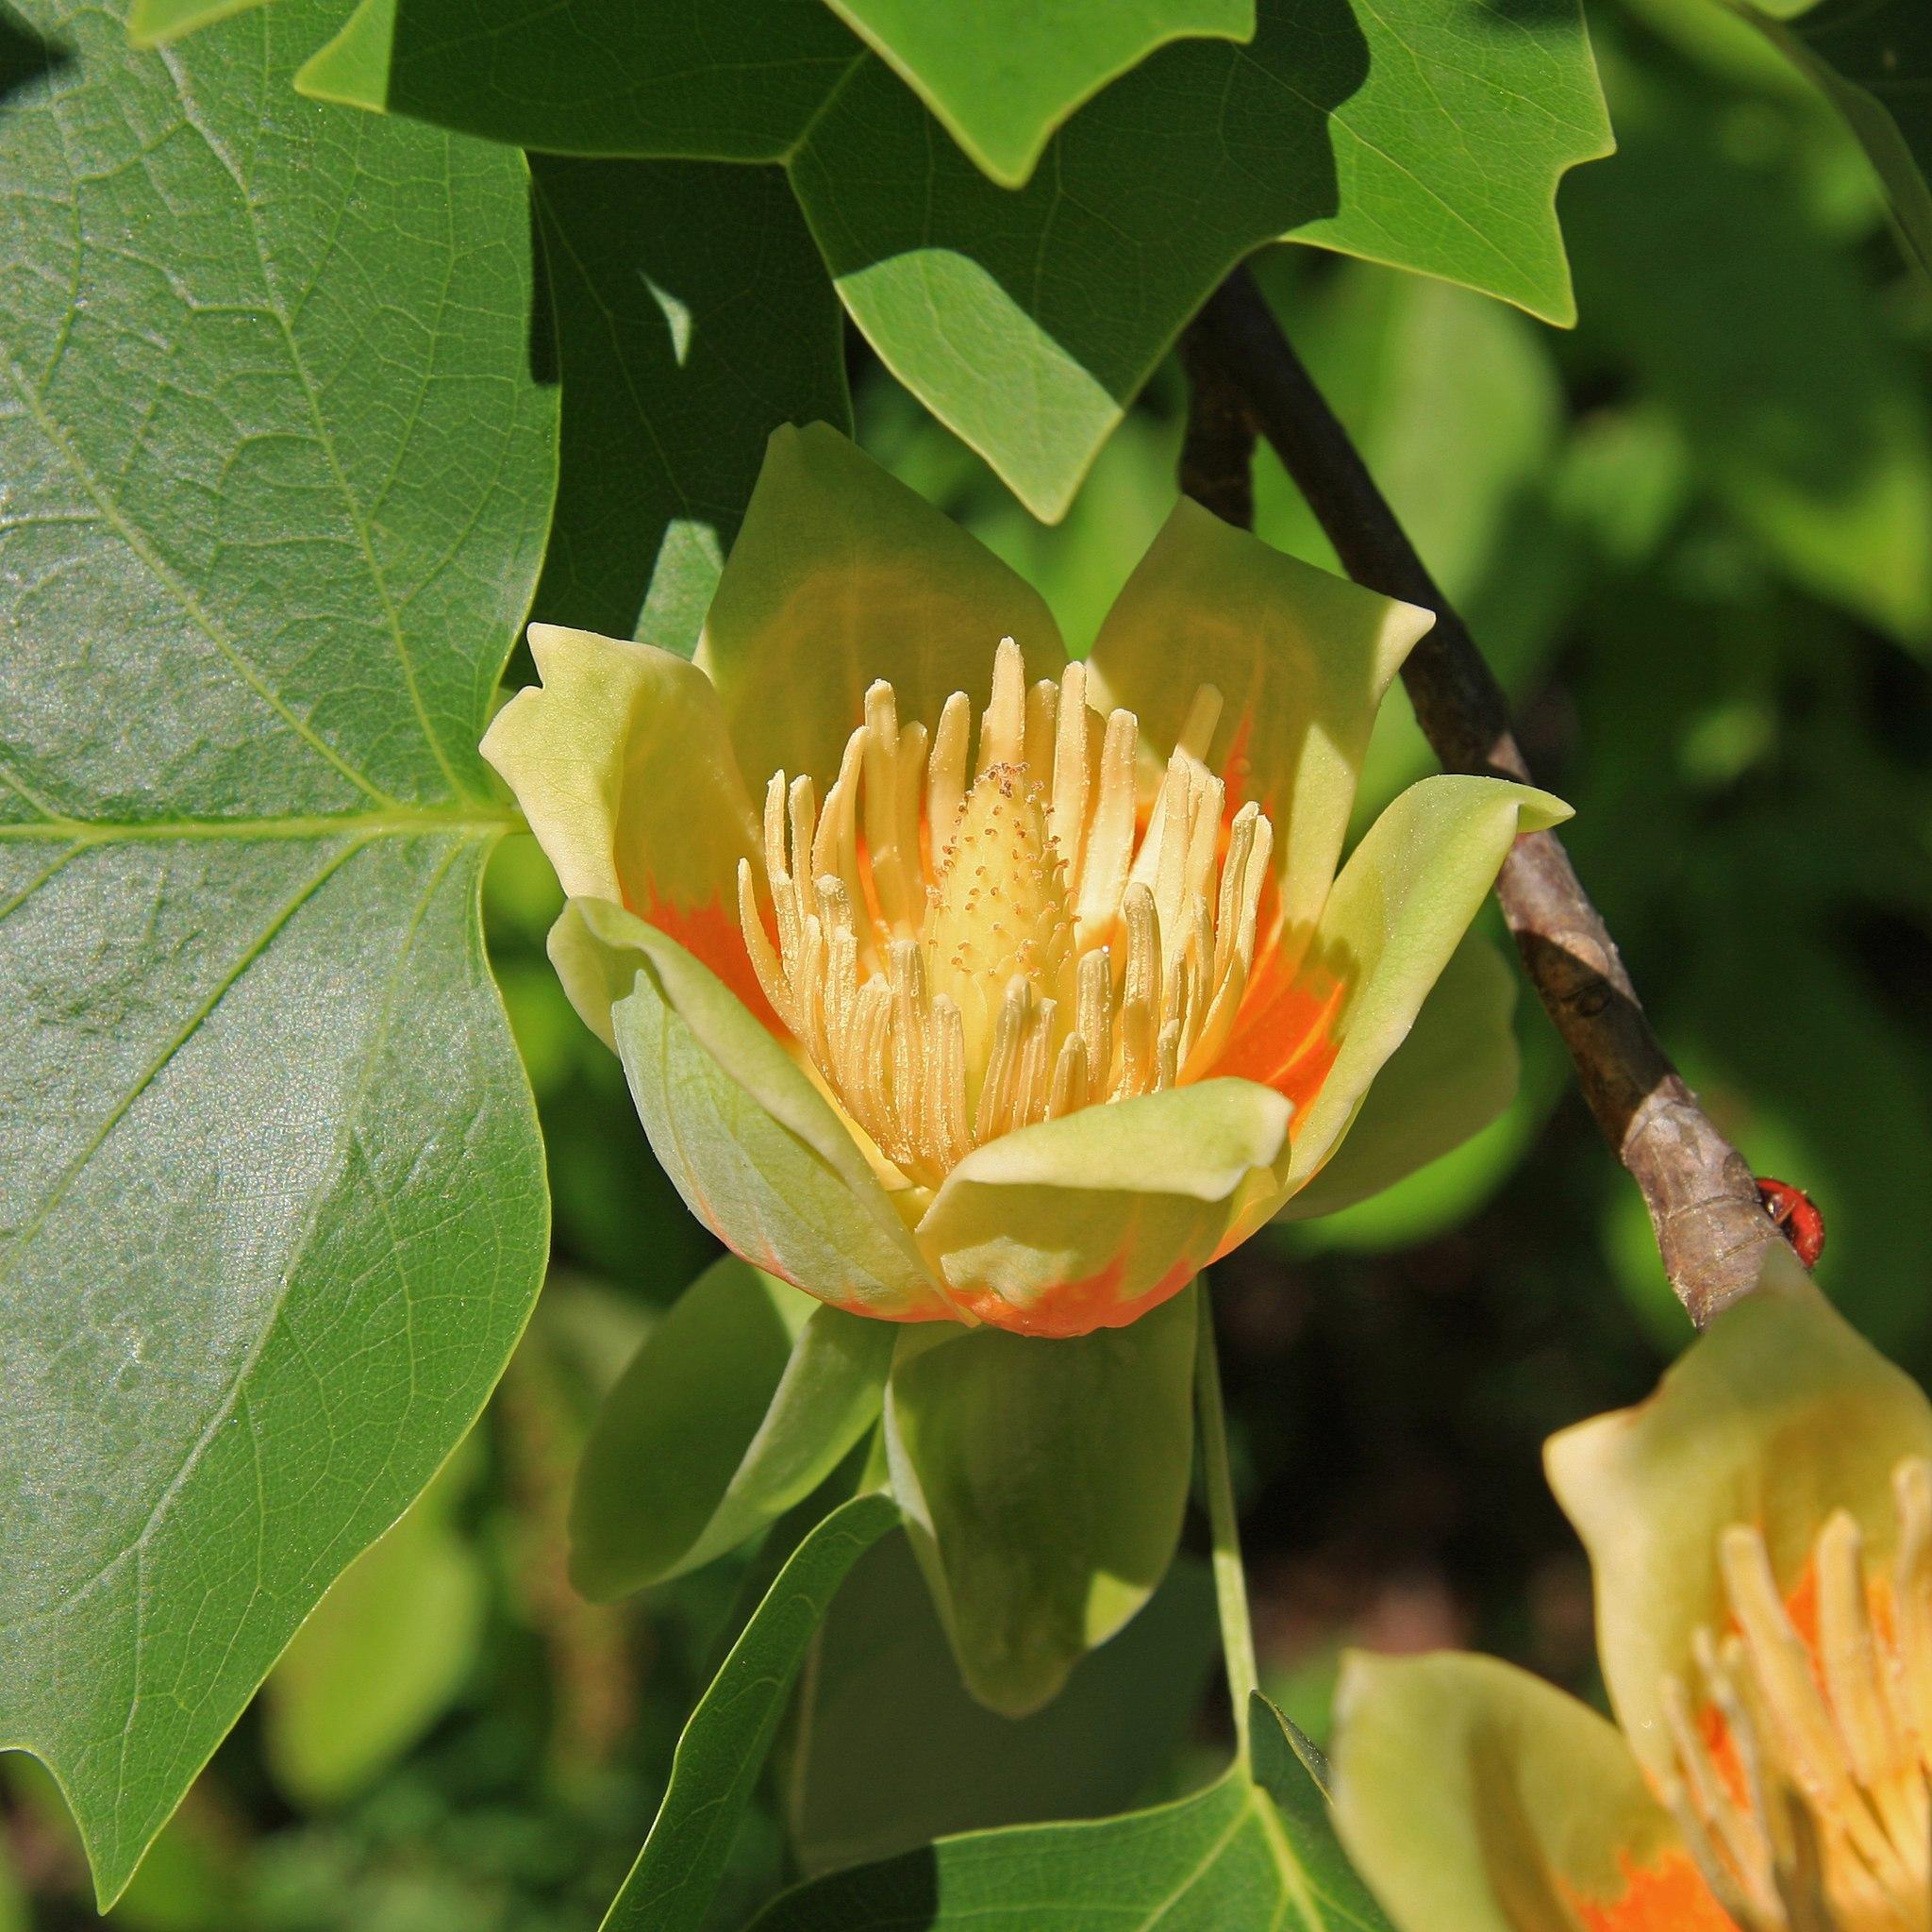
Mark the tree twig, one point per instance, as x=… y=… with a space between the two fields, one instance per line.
x=1217 y=452
x=1711 y=1228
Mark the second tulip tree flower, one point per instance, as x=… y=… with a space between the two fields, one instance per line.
x=1760 y=1533
x=967 y=986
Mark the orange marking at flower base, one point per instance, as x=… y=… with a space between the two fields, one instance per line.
x=712 y=935
x=1285 y=1036
x=1075 y=1308
x=967 y=942
x=924 y=1311
x=1669 y=1896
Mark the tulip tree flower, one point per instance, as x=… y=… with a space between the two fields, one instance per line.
x=1760 y=1533
x=967 y=986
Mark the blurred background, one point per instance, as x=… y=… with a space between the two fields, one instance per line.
x=1695 y=538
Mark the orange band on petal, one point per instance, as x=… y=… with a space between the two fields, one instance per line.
x=711 y=934
x=1075 y=1308
x=1287 y=1036
x=1669 y=1896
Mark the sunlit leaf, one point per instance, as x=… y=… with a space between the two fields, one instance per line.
x=1296 y=1777
x=382 y=1655
x=152 y=21
x=1003 y=76
x=277 y=479
x=1027 y=320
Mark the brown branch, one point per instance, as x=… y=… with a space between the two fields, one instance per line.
x=1711 y=1225
x=1218 y=453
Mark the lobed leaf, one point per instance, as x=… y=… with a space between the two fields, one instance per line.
x=152 y=21
x=1002 y=76
x=1424 y=136
x=685 y=80
x=279 y=475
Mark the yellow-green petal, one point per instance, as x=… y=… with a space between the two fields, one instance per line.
x=620 y=762
x=748 y=1141
x=1780 y=1414
x=1301 y=658
x=1044 y=1485
x=1475 y=1797
x=840 y=574
x=1396 y=914
x=1454 y=1075
x=1089 y=1220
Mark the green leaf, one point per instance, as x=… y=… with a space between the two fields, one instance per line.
x=891 y=1751
x=1429 y=381
x=740 y=1402
x=382 y=1656
x=1292 y=1773
x=1027 y=320
x=1043 y=1484
x=278 y=476
x=1872 y=59
x=1757 y=332
x=1002 y=76
x=1231 y=1858
x=721 y=1750
x=152 y=21
x=676 y=78
x=664 y=280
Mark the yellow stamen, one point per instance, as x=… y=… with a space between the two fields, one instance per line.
x=1802 y=1773
x=966 y=948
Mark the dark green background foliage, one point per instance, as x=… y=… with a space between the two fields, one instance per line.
x=1693 y=534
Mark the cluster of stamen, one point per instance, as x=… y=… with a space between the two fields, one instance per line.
x=1803 y=1766
x=964 y=949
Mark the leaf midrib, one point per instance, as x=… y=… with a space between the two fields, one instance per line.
x=406 y=823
